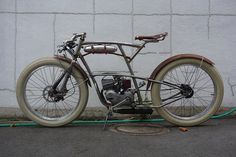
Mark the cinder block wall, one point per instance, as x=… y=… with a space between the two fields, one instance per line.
x=30 y=29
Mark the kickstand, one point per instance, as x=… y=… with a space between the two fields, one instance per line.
x=109 y=114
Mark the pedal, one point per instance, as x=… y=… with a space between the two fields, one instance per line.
x=133 y=110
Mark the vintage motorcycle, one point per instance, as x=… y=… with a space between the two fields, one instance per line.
x=185 y=89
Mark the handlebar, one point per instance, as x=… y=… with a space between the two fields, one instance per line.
x=76 y=35
x=69 y=44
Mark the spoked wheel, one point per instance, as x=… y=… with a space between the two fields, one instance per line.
x=48 y=106
x=196 y=94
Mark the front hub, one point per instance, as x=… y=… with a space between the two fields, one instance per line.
x=51 y=95
x=186 y=91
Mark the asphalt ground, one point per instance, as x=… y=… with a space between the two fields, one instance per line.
x=215 y=138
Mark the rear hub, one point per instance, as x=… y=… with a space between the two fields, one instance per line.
x=186 y=91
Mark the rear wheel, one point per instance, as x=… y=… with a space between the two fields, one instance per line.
x=199 y=97
x=47 y=107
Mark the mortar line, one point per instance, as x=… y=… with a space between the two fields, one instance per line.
x=54 y=33
x=94 y=12
x=67 y=13
x=132 y=22
x=208 y=20
x=148 y=53
x=7 y=89
x=15 y=40
x=132 y=29
x=215 y=14
x=155 y=14
x=171 y=25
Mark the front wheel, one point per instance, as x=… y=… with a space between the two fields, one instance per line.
x=198 y=97
x=44 y=106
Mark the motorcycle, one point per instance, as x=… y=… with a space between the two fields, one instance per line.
x=185 y=89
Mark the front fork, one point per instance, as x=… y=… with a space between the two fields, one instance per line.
x=65 y=77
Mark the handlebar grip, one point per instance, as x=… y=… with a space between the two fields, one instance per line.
x=136 y=38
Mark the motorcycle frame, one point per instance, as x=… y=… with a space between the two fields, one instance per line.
x=78 y=54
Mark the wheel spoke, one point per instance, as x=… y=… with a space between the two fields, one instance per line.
x=39 y=101
x=184 y=106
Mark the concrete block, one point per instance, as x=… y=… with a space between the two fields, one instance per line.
x=223 y=29
x=229 y=81
x=34 y=39
x=10 y=112
x=151 y=56
x=8 y=99
x=66 y=25
x=67 y=6
x=113 y=27
x=223 y=7
x=105 y=30
x=113 y=6
x=151 y=6
x=7 y=5
x=190 y=7
x=144 y=64
x=93 y=99
x=7 y=51
x=190 y=34
x=222 y=40
x=151 y=25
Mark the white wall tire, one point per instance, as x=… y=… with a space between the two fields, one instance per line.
x=42 y=118
x=214 y=103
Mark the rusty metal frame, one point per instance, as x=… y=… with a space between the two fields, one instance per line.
x=127 y=59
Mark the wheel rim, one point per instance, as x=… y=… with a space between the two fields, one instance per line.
x=38 y=100
x=193 y=105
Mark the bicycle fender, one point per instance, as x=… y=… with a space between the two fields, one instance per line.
x=76 y=65
x=174 y=58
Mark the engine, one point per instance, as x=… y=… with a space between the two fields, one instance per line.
x=117 y=89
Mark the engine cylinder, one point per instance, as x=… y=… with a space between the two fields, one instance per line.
x=118 y=89
x=115 y=97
